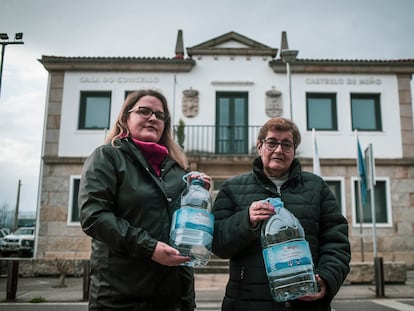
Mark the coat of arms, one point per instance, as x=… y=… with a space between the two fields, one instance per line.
x=190 y=103
x=274 y=105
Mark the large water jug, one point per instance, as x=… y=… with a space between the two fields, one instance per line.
x=193 y=223
x=287 y=256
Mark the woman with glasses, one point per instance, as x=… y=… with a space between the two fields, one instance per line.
x=240 y=211
x=129 y=190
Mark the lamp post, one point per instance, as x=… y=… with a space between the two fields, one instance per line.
x=288 y=57
x=4 y=40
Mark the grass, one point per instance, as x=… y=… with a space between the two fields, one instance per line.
x=37 y=300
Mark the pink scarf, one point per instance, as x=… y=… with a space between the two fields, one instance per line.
x=153 y=152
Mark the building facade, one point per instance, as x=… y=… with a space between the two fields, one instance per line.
x=220 y=92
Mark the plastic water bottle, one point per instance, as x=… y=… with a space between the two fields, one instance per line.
x=287 y=256
x=193 y=223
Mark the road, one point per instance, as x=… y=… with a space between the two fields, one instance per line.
x=374 y=305
x=337 y=305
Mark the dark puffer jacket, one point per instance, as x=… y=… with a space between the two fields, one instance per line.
x=126 y=209
x=309 y=198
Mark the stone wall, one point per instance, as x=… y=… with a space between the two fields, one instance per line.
x=57 y=239
x=364 y=273
x=47 y=267
x=361 y=272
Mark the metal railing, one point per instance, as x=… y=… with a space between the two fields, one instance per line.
x=214 y=140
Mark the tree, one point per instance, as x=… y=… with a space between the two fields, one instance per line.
x=180 y=133
x=63 y=267
x=5 y=215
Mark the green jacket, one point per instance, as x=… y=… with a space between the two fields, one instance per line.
x=309 y=198
x=126 y=209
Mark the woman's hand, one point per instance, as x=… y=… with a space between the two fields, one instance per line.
x=318 y=295
x=197 y=175
x=167 y=255
x=259 y=211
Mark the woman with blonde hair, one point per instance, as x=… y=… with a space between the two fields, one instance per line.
x=129 y=190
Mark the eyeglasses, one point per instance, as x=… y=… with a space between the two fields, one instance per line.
x=147 y=113
x=272 y=144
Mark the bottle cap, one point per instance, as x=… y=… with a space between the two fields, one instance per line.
x=197 y=181
x=188 y=182
x=276 y=202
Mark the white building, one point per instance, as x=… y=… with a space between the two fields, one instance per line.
x=224 y=89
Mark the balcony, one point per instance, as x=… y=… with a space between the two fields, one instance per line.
x=205 y=140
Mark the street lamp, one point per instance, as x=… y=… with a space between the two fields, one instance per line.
x=4 y=40
x=288 y=57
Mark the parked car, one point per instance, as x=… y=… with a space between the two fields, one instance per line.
x=21 y=242
x=3 y=233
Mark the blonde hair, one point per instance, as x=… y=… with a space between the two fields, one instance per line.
x=120 y=128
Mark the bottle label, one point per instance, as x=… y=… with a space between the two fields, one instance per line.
x=288 y=255
x=193 y=218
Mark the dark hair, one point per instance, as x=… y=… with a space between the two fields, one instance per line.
x=280 y=124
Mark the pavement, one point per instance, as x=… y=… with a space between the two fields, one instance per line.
x=209 y=289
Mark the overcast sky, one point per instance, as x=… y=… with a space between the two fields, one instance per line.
x=319 y=29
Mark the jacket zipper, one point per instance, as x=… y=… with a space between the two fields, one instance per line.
x=240 y=282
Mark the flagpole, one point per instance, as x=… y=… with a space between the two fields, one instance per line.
x=361 y=214
x=378 y=261
x=316 y=163
x=371 y=185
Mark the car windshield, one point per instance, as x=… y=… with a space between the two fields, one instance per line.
x=22 y=231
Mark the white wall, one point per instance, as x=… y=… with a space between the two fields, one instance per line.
x=240 y=74
x=341 y=143
x=252 y=75
x=79 y=143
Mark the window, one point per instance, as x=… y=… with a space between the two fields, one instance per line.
x=231 y=122
x=336 y=184
x=94 y=112
x=382 y=205
x=321 y=112
x=366 y=112
x=73 y=209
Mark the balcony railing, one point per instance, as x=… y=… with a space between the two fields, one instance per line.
x=213 y=140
